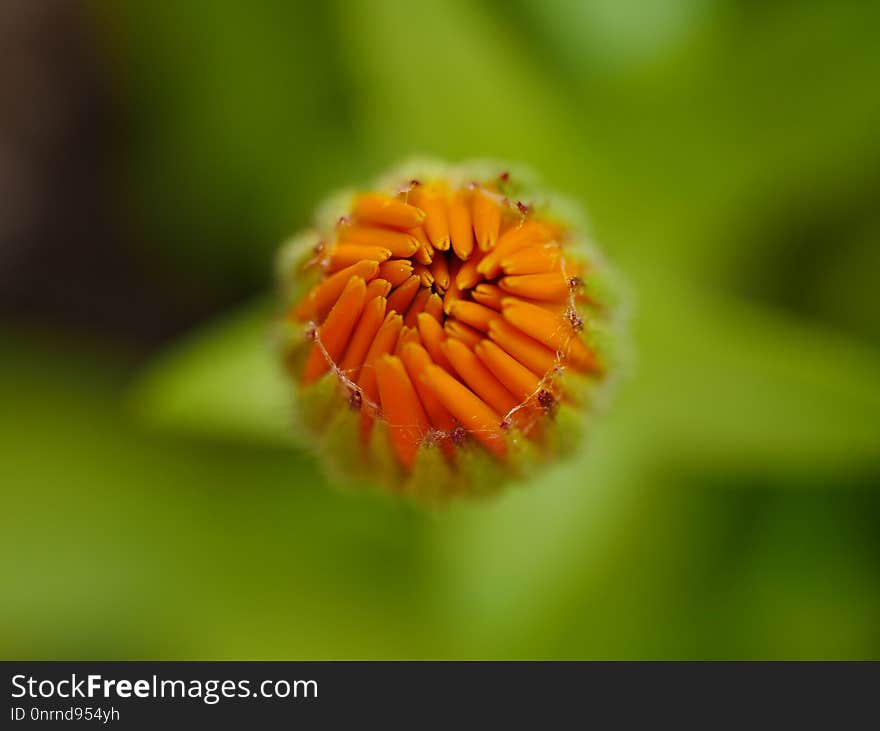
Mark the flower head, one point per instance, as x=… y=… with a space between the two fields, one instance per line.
x=446 y=329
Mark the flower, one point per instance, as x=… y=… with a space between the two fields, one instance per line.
x=446 y=329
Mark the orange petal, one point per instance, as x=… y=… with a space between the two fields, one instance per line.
x=432 y=338
x=417 y=307
x=479 y=378
x=533 y=355
x=416 y=360
x=407 y=335
x=431 y=199
x=517 y=379
x=364 y=333
x=434 y=307
x=528 y=233
x=452 y=295
x=425 y=253
x=473 y=314
x=344 y=255
x=489 y=295
x=461 y=227
x=407 y=421
x=486 y=211
x=551 y=329
x=385 y=210
x=425 y=275
x=399 y=243
x=532 y=260
x=555 y=308
x=396 y=271
x=460 y=331
x=317 y=303
x=468 y=275
x=378 y=288
x=401 y=298
x=383 y=344
x=418 y=233
x=333 y=335
x=475 y=416
x=552 y=287
x=440 y=270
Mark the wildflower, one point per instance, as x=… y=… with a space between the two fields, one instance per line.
x=446 y=330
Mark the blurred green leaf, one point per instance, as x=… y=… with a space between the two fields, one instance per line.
x=730 y=380
x=225 y=382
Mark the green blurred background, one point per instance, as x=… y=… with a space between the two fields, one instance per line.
x=152 y=157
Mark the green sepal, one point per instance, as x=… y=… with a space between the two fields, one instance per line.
x=481 y=474
x=340 y=445
x=318 y=404
x=433 y=479
x=380 y=459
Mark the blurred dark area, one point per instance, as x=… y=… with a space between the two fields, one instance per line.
x=60 y=254
x=74 y=132
x=65 y=258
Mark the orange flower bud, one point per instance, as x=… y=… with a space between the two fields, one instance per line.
x=449 y=315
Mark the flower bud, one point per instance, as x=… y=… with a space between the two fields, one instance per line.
x=446 y=330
